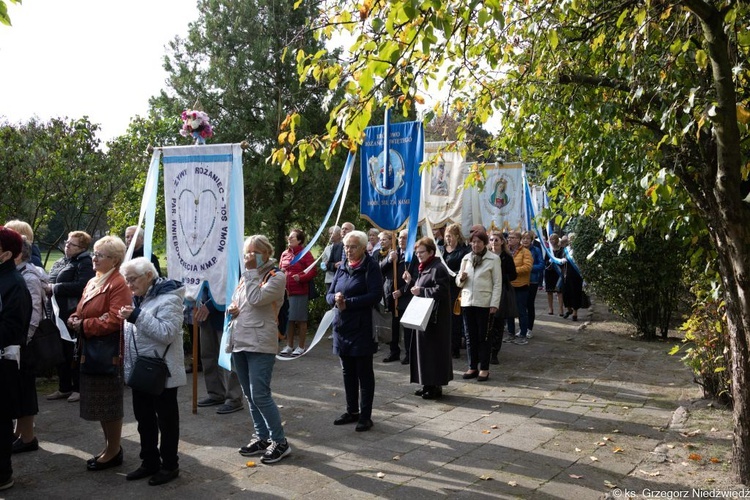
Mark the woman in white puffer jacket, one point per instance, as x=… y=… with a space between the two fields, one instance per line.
x=480 y=280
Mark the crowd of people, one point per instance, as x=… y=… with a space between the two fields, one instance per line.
x=110 y=309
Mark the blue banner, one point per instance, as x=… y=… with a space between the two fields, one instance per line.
x=390 y=190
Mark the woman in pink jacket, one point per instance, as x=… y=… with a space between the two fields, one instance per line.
x=299 y=278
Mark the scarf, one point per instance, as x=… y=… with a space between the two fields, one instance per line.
x=476 y=258
x=424 y=264
x=97 y=282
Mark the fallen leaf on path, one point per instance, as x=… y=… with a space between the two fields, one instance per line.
x=601 y=443
x=607 y=438
x=485 y=477
x=616 y=431
x=493 y=427
x=689 y=446
x=594 y=459
x=618 y=450
x=670 y=446
x=691 y=433
x=575 y=476
x=512 y=483
x=495 y=406
x=694 y=456
x=485 y=431
x=650 y=474
x=715 y=460
x=714 y=429
x=250 y=464
x=710 y=480
x=380 y=475
x=610 y=484
x=578 y=450
x=685 y=464
x=397 y=457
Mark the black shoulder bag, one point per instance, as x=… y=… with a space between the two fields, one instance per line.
x=149 y=374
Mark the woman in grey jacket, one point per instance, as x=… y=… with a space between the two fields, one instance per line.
x=253 y=343
x=153 y=326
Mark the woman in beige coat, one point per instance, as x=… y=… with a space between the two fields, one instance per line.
x=253 y=343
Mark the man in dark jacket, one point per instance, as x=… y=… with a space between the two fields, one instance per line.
x=138 y=250
x=15 y=316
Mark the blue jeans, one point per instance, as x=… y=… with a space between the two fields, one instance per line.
x=522 y=296
x=254 y=369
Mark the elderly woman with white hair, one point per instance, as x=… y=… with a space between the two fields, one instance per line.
x=356 y=288
x=153 y=327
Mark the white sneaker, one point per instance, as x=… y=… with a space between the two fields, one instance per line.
x=286 y=351
x=74 y=397
x=298 y=351
x=528 y=334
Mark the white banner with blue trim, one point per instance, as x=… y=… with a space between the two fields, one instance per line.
x=502 y=202
x=204 y=205
x=442 y=185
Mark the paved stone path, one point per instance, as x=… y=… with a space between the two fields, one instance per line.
x=529 y=432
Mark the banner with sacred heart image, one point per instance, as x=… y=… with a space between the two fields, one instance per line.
x=390 y=189
x=204 y=196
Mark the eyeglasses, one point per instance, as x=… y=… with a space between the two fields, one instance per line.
x=132 y=279
x=351 y=247
x=70 y=243
x=98 y=255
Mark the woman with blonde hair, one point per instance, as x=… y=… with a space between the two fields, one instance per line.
x=25 y=230
x=99 y=329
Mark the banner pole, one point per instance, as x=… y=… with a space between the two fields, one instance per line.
x=195 y=360
x=395 y=278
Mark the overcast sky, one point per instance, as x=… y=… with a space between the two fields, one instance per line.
x=98 y=58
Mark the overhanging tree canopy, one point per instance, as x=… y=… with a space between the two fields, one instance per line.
x=632 y=108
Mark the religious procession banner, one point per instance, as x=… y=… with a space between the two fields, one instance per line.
x=502 y=202
x=390 y=189
x=442 y=185
x=204 y=204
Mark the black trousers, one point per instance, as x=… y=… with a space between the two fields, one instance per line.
x=67 y=371
x=158 y=414
x=396 y=335
x=359 y=385
x=476 y=323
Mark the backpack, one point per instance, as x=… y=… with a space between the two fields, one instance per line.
x=282 y=316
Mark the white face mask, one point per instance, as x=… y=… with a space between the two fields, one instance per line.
x=259 y=260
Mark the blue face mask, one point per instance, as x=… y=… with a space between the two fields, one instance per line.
x=259 y=260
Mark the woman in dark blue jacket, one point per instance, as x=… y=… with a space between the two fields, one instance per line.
x=356 y=288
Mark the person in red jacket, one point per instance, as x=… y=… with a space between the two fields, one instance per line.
x=299 y=278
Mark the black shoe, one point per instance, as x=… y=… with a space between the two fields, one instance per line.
x=255 y=447
x=112 y=462
x=391 y=357
x=141 y=473
x=433 y=392
x=346 y=418
x=420 y=391
x=483 y=378
x=20 y=447
x=405 y=361
x=163 y=476
x=275 y=452
x=363 y=425
x=567 y=313
x=470 y=374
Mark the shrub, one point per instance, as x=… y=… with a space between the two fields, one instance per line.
x=642 y=285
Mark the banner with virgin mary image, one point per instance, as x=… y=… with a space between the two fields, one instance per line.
x=502 y=202
x=390 y=189
x=442 y=185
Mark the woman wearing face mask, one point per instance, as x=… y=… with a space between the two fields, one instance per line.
x=299 y=277
x=253 y=344
x=480 y=280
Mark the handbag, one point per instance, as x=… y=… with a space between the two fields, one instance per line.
x=46 y=346
x=457 y=306
x=149 y=374
x=101 y=355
